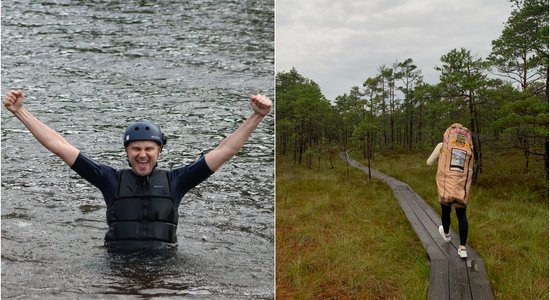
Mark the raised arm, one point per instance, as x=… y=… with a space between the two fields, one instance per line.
x=48 y=137
x=233 y=143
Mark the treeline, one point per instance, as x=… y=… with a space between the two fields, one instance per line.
x=502 y=98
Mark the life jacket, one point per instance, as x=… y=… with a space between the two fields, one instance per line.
x=143 y=212
x=455 y=166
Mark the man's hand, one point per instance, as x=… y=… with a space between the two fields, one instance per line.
x=13 y=100
x=261 y=104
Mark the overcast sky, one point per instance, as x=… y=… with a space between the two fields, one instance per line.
x=340 y=43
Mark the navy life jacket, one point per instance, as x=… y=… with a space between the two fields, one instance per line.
x=143 y=212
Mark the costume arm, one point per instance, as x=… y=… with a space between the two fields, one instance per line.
x=48 y=137
x=233 y=143
x=435 y=154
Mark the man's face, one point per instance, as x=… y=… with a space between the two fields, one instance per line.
x=143 y=156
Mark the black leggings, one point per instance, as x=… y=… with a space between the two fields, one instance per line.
x=462 y=221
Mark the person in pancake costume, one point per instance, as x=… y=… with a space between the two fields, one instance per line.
x=454 y=179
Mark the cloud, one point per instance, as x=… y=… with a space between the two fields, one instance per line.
x=338 y=44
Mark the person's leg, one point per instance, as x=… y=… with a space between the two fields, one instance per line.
x=462 y=225
x=446 y=217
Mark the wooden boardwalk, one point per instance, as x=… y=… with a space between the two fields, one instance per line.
x=450 y=276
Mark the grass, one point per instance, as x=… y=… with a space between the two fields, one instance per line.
x=340 y=236
x=507 y=214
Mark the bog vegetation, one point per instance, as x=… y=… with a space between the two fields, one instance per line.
x=343 y=236
x=394 y=118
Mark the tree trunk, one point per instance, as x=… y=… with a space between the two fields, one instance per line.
x=478 y=154
x=546 y=154
x=410 y=129
x=369 y=151
x=526 y=154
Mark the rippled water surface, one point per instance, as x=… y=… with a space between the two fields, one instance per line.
x=89 y=68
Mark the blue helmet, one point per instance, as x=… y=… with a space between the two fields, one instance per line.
x=144 y=131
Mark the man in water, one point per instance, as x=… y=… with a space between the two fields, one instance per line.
x=142 y=202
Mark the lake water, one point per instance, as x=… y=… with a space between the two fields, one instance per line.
x=89 y=68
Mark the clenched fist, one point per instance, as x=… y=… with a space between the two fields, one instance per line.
x=13 y=100
x=261 y=104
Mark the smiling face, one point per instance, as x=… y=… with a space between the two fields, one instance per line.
x=143 y=156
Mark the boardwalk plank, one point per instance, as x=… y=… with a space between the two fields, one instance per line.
x=450 y=276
